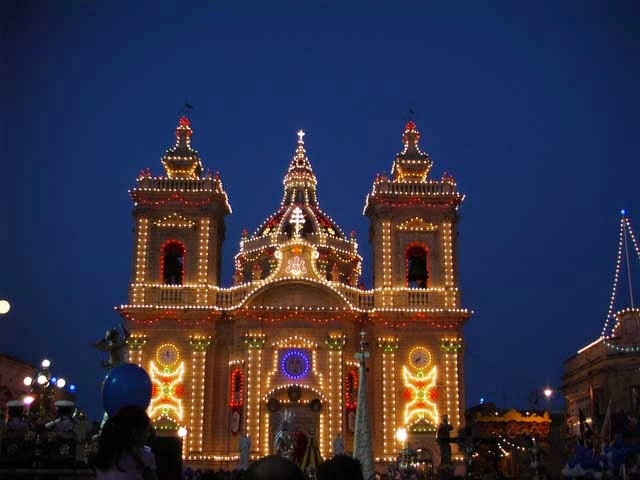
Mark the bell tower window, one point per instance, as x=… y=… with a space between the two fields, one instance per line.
x=417 y=266
x=172 y=268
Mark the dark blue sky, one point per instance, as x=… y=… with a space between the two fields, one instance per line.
x=533 y=108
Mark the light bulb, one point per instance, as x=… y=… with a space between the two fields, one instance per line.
x=182 y=432
x=45 y=363
x=61 y=383
x=548 y=392
x=42 y=379
x=401 y=435
x=27 y=381
x=28 y=400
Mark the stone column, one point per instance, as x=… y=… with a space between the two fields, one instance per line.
x=451 y=348
x=255 y=343
x=335 y=344
x=388 y=347
x=199 y=345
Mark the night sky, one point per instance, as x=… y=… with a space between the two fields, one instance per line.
x=533 y=108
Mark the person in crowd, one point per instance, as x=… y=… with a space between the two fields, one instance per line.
x=274 y=467
x=122 y=451
x=340 y=467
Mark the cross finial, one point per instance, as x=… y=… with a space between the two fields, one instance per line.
x=297 y=220
x=300 y=135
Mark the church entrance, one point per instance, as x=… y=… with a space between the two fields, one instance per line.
x=303 y=422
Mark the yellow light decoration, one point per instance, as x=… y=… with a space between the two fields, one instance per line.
x=167 y=387
x=174 y=220
x=417 y=224
x=420 y=405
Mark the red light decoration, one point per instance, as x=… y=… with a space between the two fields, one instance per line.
x=236 y=399
x=351 y=390
x=416 y=248
x=433 y=394
x=178 y=246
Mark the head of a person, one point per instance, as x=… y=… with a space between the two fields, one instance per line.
x=340 y=467
x=273 y=467
x=129 y=428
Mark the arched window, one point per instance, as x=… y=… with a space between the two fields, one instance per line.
x=417 y=265
x=172 y=257
x=237 y=388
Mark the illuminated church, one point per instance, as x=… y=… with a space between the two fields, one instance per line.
x=228 y=360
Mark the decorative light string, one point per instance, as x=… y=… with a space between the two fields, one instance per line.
x=625 y=226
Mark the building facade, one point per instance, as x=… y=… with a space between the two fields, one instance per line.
x=228 y=360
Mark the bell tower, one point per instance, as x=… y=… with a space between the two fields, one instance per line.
x=179 y=228
x=413 y=230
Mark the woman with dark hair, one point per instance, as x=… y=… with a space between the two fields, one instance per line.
x=122 y=454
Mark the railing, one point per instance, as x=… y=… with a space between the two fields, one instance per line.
x=418 y=298
x=169 y=295
x=192 y=185
x=230 y=298
x=413 y=188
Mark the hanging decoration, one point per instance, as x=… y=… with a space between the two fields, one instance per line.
x=614 y=318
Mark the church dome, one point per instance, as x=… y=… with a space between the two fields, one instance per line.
x=299 y=207
x=299 y=217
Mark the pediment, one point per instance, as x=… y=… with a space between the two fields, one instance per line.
x=174 y=220
x=293 y=294
x=417 y=224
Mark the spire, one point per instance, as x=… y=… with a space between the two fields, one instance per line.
x=182 y=161
x=300 y=181
x=362 y=442
x=411 y=164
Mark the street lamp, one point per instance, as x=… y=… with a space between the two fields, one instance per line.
x=401 y=435
x=547 y=392
x=5 y=306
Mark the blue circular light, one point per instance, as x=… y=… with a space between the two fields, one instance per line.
x=54 y=379
x=623 y=212
x=295 y=364
x=481 y=400
x=72 y=387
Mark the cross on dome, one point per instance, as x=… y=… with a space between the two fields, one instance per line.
x=300 y=135
x=297 y=220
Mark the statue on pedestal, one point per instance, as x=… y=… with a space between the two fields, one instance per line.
x=284 y=442
x=443 y=437
x=244 y=445
x=338 y=445
x=115 y=345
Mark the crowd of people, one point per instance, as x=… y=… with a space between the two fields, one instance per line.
x=122 y=454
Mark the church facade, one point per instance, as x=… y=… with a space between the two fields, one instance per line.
x=228 y=361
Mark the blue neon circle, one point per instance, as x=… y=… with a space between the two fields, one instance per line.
x=294 y=353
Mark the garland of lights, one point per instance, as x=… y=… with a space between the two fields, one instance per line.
x=625 y=226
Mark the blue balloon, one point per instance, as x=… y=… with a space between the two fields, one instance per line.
x=126 y=385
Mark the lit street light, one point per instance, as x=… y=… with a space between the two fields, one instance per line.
x=547 y=392
x=4 y=307
x=401 y=435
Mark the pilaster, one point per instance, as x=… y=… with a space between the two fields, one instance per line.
x=388 y=347
x=199 y=345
